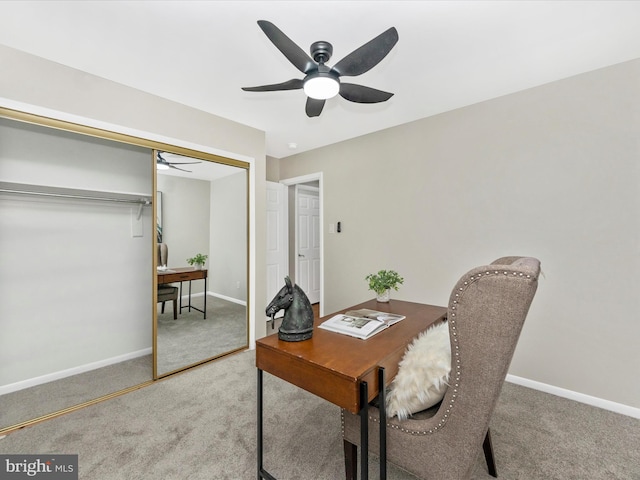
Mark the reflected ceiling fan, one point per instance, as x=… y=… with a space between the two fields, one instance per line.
x=163 y=164
x=321 y=81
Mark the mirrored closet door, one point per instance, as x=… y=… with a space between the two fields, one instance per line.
x=203 y=211
x=78 y=258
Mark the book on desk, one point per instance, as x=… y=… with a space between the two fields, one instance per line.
x=363 y=323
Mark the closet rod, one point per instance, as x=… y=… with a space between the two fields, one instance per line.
x=142 y=201
x=66 y=193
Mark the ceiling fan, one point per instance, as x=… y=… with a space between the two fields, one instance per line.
x=321 y=81
x=163 y=164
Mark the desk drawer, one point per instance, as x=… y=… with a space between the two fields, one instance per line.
x=182 y=276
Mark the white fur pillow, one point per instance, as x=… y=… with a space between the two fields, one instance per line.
x=423 y=373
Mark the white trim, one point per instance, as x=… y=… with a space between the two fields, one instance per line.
x=185 y=298
x=576 y=396
x=310 y=178
x=307 y=188
x=32 y=382
x=224 y=297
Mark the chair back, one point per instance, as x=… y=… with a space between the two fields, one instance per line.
x=486 y=312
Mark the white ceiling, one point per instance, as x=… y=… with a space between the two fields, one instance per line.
x=450 y=54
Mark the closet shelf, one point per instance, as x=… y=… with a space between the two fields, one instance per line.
x=62 y=192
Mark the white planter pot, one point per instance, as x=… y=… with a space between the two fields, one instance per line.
x=384 y=296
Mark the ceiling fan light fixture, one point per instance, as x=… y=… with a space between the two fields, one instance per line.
x=162 y=166
x=321 y=86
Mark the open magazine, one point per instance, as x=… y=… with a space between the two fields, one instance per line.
x=363 y=323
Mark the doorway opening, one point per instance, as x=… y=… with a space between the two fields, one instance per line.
x=303 y=234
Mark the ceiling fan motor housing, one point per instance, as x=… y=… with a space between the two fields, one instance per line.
x=321 y=51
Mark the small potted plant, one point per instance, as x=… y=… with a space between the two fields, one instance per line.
x=198 y=261
x=382 y=282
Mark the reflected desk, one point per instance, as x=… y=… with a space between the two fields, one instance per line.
x=184 y=274
x=344 y=370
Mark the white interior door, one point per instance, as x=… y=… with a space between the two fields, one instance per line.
x=308 y=241
x=277 y=240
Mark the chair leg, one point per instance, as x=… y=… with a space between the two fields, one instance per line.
x=487 y=446
x=175 y=308
x=162 y=311
x=350 y=460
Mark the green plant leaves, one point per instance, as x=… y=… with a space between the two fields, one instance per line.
x=383 y=280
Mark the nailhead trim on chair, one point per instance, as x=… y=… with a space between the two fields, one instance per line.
x=458 y=371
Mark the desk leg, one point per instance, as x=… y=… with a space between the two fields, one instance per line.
x=262 y=473
x=189 y=296
x=383 y=424
x=364 y=431
x=259 y=424
x=180 y=297
x=205 y=298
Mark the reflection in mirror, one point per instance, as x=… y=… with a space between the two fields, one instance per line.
x=204 y=211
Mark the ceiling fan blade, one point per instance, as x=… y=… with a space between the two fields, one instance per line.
x=362 y=94
x=368 y=55
x=314 y=107
x=161 y=159
x=289 y=49
x=181 y=169
x=293 y=84
x=182 y=163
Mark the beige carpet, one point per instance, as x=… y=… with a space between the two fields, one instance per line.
x=202 y=425
x=191 y=338
x=188 y=340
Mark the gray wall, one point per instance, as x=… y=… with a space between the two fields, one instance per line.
x=550 y=172
x=210 y=217
x=186 y=208
x=229 y=237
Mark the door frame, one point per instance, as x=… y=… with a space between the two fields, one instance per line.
x=312 y=177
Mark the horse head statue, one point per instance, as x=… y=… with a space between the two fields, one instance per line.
x=297 y=323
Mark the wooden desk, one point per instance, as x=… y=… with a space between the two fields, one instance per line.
x=184 y=274
x=342 y=369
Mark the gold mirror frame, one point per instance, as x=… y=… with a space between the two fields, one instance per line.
x=153 y=146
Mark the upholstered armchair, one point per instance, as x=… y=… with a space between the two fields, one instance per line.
x=486 y=312
x=166 y=292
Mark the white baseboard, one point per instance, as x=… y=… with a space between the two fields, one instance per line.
x=32 y=382
x=228 y=299
x=185 y=298
x=578 y=397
